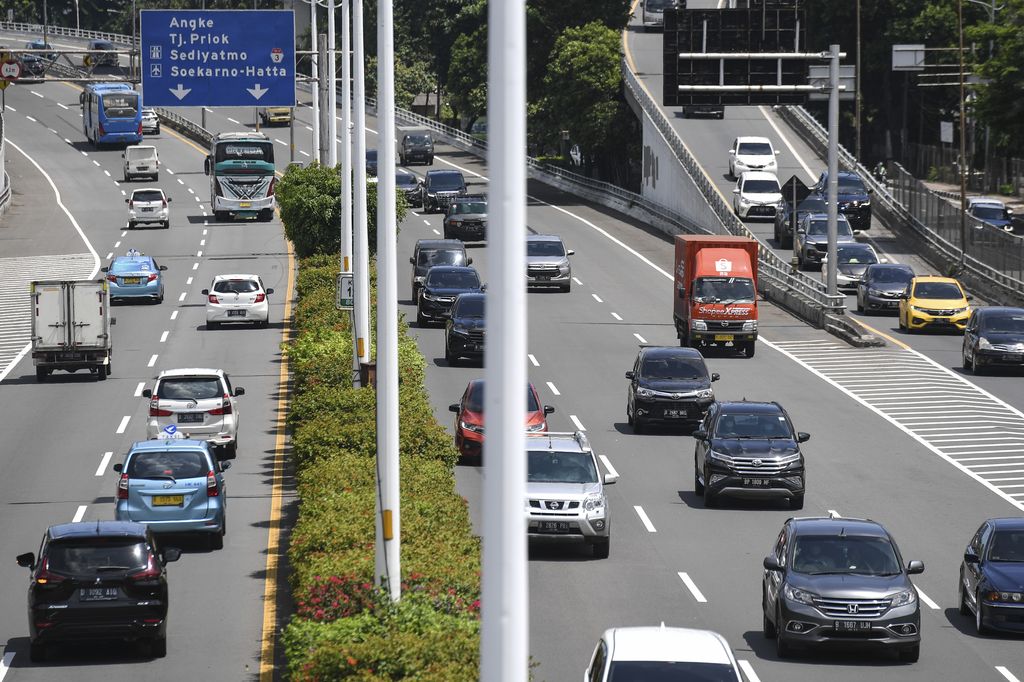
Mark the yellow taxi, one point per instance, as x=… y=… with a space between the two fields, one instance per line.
x=934 y=302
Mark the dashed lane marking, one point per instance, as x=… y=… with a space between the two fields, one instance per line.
x=748 y=670
x=533 y=360
x=8 y=659
x=1010 y=677
x=104 y=461
x=597 y=298
x=692 y=587
x=152 y=361
x=553 y=388
x=138 y=389
x=577 y=280
x=174 y=315
x=182 y=297
x=31 y=119
x=79 y=513
x=639 y=338
x=163 y=337
x=644 y=519
x=617 y=316
x=577 y=422
x=124 y=424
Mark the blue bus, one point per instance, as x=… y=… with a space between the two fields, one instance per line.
x=111 y=114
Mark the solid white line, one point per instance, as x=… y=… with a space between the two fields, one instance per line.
x=577 y=280
x=5 y=663
x=639 y=338
x=138 y=389
x=576 y=421
x=79 y=514
x=163 y=337
x=926 y=599
x=748 y=671
x=597 y=298
x=553 y=389
x=692 y=586
x=644 y=519
x=188 y=281
x=303 y=152
x=617 y=316
x=152 y=361
x=1010 y=677
x=608 y=465
x=533 y=360
x=102 y=468
x=182 y=297
x=174 y=315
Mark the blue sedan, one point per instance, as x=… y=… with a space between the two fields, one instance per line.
x=174 y=486
x=135 y=276
x=991 y=584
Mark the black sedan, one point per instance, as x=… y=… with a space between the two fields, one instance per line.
x=441 y=286
x=880 y=288
x=991 y=586
x=784 y=219
x=409 y=184
x=994 y=337
x=464 y=329
x=668 y=385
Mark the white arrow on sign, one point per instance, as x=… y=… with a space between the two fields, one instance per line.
x=180 y=92
x=258 y=92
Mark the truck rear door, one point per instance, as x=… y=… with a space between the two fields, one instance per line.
x=49 y=315
x=88 y=312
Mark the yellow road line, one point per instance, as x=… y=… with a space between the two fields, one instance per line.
x=885 y=336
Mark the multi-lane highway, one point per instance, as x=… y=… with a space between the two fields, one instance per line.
x=896 y=432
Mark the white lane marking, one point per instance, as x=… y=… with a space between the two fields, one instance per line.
x=188 y=281
x=124 y=233
x=307 y=128
x=79 y=513
x=426 y=222
x=11 y=108
x=106 y=172
x=577 y=280
x=180 y=181
x=182 y=297
x=117 y=245
x=205 y=231
x=195 y=266
x=644 y=519
x=170 y=171
x=39 y=95
x=65 y=139
x=96 y=163
x=748 y=670
x=110 y=255
x=282 y=142
x=8 y=659
x=435 y=231
x=553 y=389
x=85 y=153
x=639 y=338
x=597 y=298
x=174 y=315
x=464 y=170
x=53 y=131
x=692 y=586
x=152 y=361
x=608 y=465
x=123 y=193
x=163 y=337
x=1010 y=677
x=577 y=422
x=533 y=360
x=32 y=119
x=199 y=254
x=785 y=140
x=303 y=152
x=191 y=191
x=102 y=468
x=138 y=389
x=926 y=599
x=202 y=242
x=617 y=316
x=234 y=121
x=124 y=423
x=834 y=514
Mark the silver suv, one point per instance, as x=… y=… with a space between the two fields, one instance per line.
x=199 y=402
x=547 y=262
x=565 y=490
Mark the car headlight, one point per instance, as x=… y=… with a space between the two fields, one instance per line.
x=875 y=292
x=593 y=502
x=719 y=458
x=644 y=393
x=706 y=393
x=866 y=203
x=1012 y=597
x=530 y=428
x=429 y=297
x=957 y=311
x=984 y=343
x=698 y=325
x=902 y=598
x=918 y=309
x=744 y=201
x=420 y=278
x=800 y=596
x=459 y=331
x=750 y=326
x=475 y=428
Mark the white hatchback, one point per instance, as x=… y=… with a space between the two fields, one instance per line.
x=757 y=195
x=148 y=205
x=750 y=154
x=198 y=402
x=237 y=298
x=662 y=653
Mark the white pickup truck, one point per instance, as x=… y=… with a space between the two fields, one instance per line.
x=71 y=327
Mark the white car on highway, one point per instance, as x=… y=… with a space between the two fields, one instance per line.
x=752 y=154
x=662 y=653
x=757 y=195
x=237 y=298
x=148 y=205
x=199 y=402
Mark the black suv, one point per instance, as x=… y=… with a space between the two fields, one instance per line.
x=416 y=147
x=431 y=252
x=466 y=218
x=994 y=337
x=464 y=329
x=440 y=187
x=440 y=287
x=748 y=449
x=102 y=59
x=785 y=220
x=668 y=385
x=853 y=196
x=98 y=580
x=842 y=582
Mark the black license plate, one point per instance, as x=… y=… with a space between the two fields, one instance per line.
x=190 y=417
x=851 y=625
x=756 y=482
x=1013 y=357
x=675 y=414
x=556 y=527
x=542 y=278
x=892 y=304
x=236 y=313
x=97 y=594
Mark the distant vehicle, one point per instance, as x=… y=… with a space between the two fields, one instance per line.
x=371 y=162
x=34 y=64
x=852 y=262
x=652 y=13
x=547 y=262
x=241 y=171
x=111 y=114
x=712 y=110
x=994 y=338
x=853 y=195
x=812 y=238
x=202 y=402
x=469 y=418
x=752 y=154
x=140 y=161
x=662 y=653
x=150 y=121
x=430 y=252
x=991 y=211
x=97 y=580
x=991 y=576
x=934 y=303
x=135 y=276
x=757 y=195
x=148 y=205
x=466 y=218
x=464 y=330
x=881 y=287
x=784 y=221
x=101 y=59
x=38 y=44
x=70 y=327
x=416 y=147
x=237 y=298
x=174 y=486
x=668 y=385
x=440 y=187
x=440 y=287
x=275 y=116
x=408 y=184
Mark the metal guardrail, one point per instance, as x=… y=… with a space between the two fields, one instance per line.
x=51 y=30
x=5 y=179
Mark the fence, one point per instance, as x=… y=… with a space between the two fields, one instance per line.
x=942 y=164
x=51 y=30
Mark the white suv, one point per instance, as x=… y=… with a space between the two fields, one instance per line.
x=148 y=205
x=199 y=402
x=750 y=154
x=757 y=195
x=565 y=490
x=662 y=653
x=237 y=298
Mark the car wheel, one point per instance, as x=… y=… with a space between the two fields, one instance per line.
x=566 y=288
x=638 y=425
x=903 y=327
x=910 y=654
x=860 y=305
x=131 y=225
x=430 y=160
x=42 y=374
x=158 y=647
x=963 y=607
x=749 y=348
x=36 y=652
x=156 y=177
x=212 y=325
x=698 y=487
x=629 y=415
x=263 y=324
x=447 y=234
x=421 y=321
x=216 y=541
x=125 y=178
x=110 y=368
x=976 y=367
x=167 y=224
x=448 y=356
x=602 y=547
x=796 y=502
x=767 y=626
x=101 y=373
x=782 y=647
x=979 y=616
x=710 y=499
x=158 y=130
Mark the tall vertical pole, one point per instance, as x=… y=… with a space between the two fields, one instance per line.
x=326 y=109
x=45 y=25
x=291 y=135
x=857 y=105
x=504 y=650
x=135 y=45
x=346 y=147
x=964 y=166
x=314 y=71
x=361 y=269
x=330 y=106
x=389 y=573
x=78 y=18
x=833 y=169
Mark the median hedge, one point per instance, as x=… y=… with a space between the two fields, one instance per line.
x=343 y=627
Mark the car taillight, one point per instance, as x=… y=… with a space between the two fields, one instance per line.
x=155 y=411
x=164 y=203
x=260 y=297
x=131 y=204
x=225 y=406
x=150 y=572
x=122 y=487
x=111 y=278
x=152 y=277
x=102 y=131
x=270 y=189
x=45 y=577
x=212 y=489
x=212 y=298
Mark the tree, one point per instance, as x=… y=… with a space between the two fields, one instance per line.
x=1001 y=101
x=467 y=76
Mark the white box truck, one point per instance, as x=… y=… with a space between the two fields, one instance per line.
x=71 y=327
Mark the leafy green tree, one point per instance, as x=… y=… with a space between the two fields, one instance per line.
x=467 y=76
x=1001 y=101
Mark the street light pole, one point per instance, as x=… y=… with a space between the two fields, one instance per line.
x=332 y=88
x=831 y=269
x=857 y=106
x=314 y=72
x=360 y=238
x=963 y=146
x=346 y=151
x=45 y=41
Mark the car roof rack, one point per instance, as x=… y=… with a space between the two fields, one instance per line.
x=578 y=436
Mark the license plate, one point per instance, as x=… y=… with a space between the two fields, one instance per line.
x=675 y=414
x=236 y=313
x=940 y=319
x=542 y=278
x=168 y=500
x=244 y=204
x=1013 y=357
x=97 y=594
x=132 y=280
x=556 y=526
x=190 y=417
x=851 y=625
x=756 y=482
x=892 y=304
x=143 y=168
x=723 y=337
x=147 y=210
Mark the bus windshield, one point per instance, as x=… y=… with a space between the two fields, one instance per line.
x=121 y=104
x=245 y=151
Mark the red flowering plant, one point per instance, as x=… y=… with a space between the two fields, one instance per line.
x=329 y=598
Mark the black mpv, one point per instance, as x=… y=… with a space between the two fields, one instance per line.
x=668 y=385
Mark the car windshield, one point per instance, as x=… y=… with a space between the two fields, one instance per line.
x=417 y=139
x=667 y=367
x=441 y=257
x=760 y=187
x=462 y=207
x=989 y=213
x=245 y=151
x=236 y=286
x=174 y=463
x=724 y=289
x=445 y=182
x=819 y=228
x=1007 y=545
x=747 y=425
x=755 y=149
x=891 y=275
x=93 y=555
x=658 y=5
x=405 y=179
x=856 y=254
x=147 y=195
x=937 y=290
x=670 y=671
x=844 y=554
x=1004 y=324
x=121 y=104
x=469 y=307
x=453 y=279
x=538 y=247
x=101 y=45
x=475 y=400
x=812 y=205
x=544 y=466
x=130 y=265
x=189 y=388
x=140 y=152
x=371 y=154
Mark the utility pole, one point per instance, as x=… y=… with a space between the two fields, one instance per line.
x=325 y=102
x=332 y=88
x=361 y=268
x=964 y=166
x=857 y=105
x=831 y=278
x=504 y=641
x=314 y=71
x=388 y=559
x=346 y=149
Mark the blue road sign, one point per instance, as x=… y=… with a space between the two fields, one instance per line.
x=218 y=58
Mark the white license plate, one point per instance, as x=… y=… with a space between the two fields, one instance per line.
x=851 y=625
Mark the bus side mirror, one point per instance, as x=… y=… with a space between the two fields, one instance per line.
x=206 y=166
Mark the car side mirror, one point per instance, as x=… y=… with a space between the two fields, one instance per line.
x=127 y=200
x=802 y=437
x=163 y=267
x=883 y=260
x=970 y=557
x=411 y=261
x=469 y=261
x=735 y=190
x=224 y=466
x=269 y=292
x=170 y=199
x=871 y=190
x=715 y=376
x=205 y=292
x=122 y=155
x=170 y=554
x=771 y=563
x=239 y=391
x=483 y=287
x=915 y=567
x=548 y=409
x=777 y=152
x=610 y=478
x=454 y=407
x=570 y=252
x=801 y=230
x=700 y=434
x=147 y=393
x=104 y=269
x=206 y=165
x=28 y=560
x=119 y=467
x=630 y=375
x=969 y=297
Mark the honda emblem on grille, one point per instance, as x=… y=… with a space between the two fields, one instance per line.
x=852 y=608
x=554 y=505
x=756 y=462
